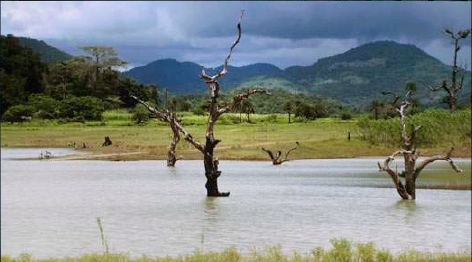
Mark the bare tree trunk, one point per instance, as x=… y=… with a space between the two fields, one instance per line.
x=172 y=155
x=210 y=162
x=456 y=84
x=211 y=169
x=410 y=155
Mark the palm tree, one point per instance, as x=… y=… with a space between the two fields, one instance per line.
x=375 y=106
x=289 y=107
x=248 y=108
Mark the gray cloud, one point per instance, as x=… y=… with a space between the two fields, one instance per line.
x=282 y=33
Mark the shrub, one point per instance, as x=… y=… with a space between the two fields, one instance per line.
x=81 y=108
x=437 y=127
x=341 y=251
x=365 y=252
x=18 y=113
x=140 y=114
x=346 y=116
x=45 y=106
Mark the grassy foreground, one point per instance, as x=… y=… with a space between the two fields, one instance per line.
x=341 y=251
x=322 y=138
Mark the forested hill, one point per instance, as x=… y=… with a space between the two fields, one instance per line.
x=354 y=77
x=47 y=53
x=182 y=77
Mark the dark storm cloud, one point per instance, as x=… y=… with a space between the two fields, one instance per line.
x=282 y=33
x=302 y=20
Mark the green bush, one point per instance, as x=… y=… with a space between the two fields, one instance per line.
x=345 y=116
x=140 y=114
x=365 y=252
x=81 y=108
x=341 y=251
x=45 y=107
x=18 y=113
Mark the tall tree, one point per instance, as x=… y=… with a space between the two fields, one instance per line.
x=245 y=106
x=375 y=107
x=457 y=74
x=289 y=108
x=215 y=111
x=103 y=62
x=410 y=155
x=21 y=72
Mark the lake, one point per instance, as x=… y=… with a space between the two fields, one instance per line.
x=49 y=207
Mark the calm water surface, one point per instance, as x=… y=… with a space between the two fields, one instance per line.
x=49 y=207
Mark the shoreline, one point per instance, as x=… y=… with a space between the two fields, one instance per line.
x=91 y=155
x=130 y=156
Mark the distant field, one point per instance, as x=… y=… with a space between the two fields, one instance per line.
x=321 y=138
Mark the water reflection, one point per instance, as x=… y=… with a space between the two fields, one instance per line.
x=408 y=208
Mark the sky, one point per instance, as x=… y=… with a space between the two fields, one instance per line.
x=277 y=32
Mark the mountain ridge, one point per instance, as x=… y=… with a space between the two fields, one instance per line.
x=367 y=69
x=354 y=77
x=48 y=53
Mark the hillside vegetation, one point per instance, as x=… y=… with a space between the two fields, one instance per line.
x=48 y=54
x=353 y=78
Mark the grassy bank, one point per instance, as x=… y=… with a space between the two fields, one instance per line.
x=322 y=138
x=341 y=251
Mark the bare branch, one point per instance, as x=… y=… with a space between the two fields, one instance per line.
x=174 y=123
x=289 y=151
x=430 y=160
x=394 y=174
x=224 y=70
x=276 y=160
x=395 y=96
x=239 y=97
x=270 y=154
x=430 y=87
x=162 y=116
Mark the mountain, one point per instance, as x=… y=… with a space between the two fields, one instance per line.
x=354 y=77
x=48 y=54
x=182 y=77
x=179 y=77
x=365 y=71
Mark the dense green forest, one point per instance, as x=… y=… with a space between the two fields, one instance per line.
x=79 y=88
x=48 y=54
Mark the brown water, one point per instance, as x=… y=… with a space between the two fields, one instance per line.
x=49 y=207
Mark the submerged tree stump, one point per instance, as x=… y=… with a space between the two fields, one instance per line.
x=107 y=141
x=277 y=158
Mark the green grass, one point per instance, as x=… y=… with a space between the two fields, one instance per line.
x=437 y=127
x=321 y=138
x=342 y=250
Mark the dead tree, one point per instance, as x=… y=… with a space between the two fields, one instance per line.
x=410 y=155
x=171 y=154
x=215 y=111
x=170 y=117
x=277 y=158
x=457 y=75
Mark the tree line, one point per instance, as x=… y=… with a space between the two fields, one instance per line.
x=78 y=89
x=83 y=87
